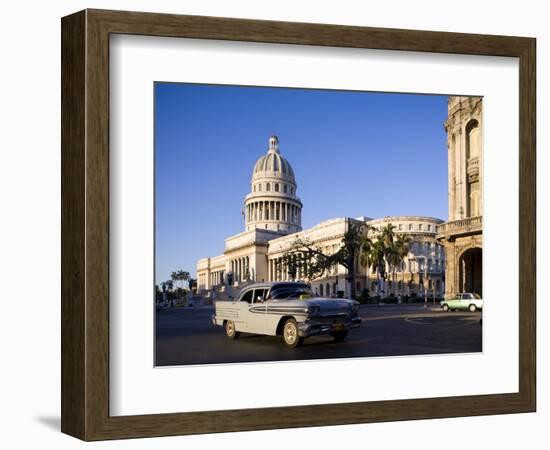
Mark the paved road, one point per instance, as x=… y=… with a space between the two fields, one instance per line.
x=186 y=336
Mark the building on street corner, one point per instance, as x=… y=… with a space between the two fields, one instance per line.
x=462 y=234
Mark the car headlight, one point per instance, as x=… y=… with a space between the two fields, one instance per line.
x=313 y=310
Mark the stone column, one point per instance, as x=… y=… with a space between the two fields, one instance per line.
x=239 y=268
x=450 y=174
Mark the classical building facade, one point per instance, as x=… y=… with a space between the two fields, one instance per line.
x=273 y=221
x=462 y=234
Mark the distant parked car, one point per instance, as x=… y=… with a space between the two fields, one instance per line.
x=290 y=310
x=465 y=301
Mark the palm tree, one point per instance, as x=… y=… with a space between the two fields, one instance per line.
x=388 y=249
x=181 y=276
x=167 y=285
x=396 y=253
x=377 y=257
x=184 y=276
x=402 y=246
x=366 y=250
x=387 y=237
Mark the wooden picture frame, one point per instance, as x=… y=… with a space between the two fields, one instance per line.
x=85 y=224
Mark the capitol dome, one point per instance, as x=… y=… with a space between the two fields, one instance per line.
x=272 y=203
x=273 y=164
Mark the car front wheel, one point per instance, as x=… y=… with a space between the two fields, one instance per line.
x=290 y=334
x=473 y=308
x=230 y=330
x=445 y=307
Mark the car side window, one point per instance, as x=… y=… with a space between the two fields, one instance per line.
x=247 y=297
x=259 y=293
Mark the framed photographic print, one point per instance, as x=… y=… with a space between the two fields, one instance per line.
x=273 y=225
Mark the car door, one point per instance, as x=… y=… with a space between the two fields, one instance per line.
x=454 y=303
x=256 y=311
x=465 y=301
x=272 y=314
x=244 y=304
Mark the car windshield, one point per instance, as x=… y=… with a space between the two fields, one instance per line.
x=286 y=292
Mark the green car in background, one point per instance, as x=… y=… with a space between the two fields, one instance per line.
x=465 y=302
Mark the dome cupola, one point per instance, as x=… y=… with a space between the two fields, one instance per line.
x=273 y=164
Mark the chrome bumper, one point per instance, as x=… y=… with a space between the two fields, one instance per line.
x=311 y=327
x=216 y=321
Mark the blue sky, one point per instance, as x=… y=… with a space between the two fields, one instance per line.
x=353 y=153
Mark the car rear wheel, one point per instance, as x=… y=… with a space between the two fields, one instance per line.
x=472 y=308
x=290 y=334
x=230 y=330
x=339 y=336
x=445 y=307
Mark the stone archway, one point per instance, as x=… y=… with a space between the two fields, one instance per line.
x=470 y=276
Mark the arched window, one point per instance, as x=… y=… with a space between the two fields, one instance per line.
x=276 y=187
x=473 y=139
x=268 y=187
x=284 y=188
x=260 y=187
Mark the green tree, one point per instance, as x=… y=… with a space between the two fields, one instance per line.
x=397 y=251
x=181 y=276
x=309 y=261
x=191 y=282
x=385 y=250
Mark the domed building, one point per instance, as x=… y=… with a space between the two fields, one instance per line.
x=272 y=203
x=273 y=220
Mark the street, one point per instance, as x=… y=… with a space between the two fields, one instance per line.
x=186 y=336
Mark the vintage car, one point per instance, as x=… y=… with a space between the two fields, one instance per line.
x=466 y=301
x=286 y=309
